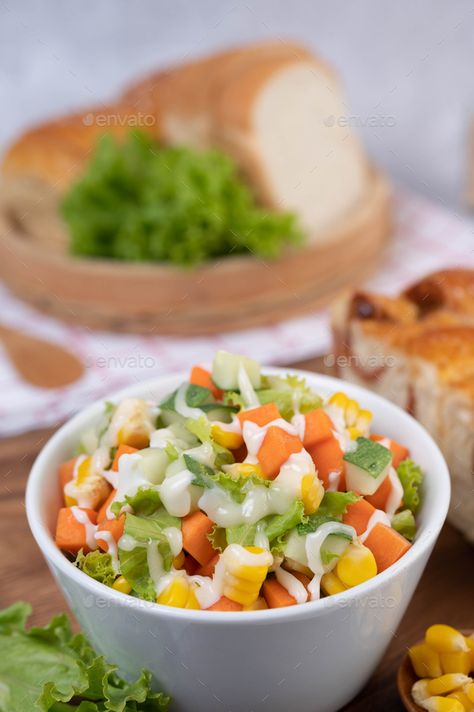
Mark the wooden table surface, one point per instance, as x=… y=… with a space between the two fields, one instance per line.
x=445 y=593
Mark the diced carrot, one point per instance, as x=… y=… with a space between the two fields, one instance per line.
x=276 y=595
x=318 y=427
x=114 y=526
x=70 y=533
x=122 y=450
x=387 y=545
x=399 y=452
x=190 y=565
x=102 y=514
x=201 y=377
x=328 y=457
x=276 y=448
x=261 y=416
x=358 y=514
x=66 y=472
x=225 y=604
x=208 y=569
x=381 y=495
x=195 y=527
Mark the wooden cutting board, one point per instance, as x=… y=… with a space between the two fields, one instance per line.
x=223 y=295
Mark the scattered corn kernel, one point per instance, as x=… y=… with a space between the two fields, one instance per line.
x=442 y=704
x=121 y=584
x=364 y=419
x=312 y=492
x=226 y=438
x=445 y=639
x=354 y=432
x=470 y=644
x=192 y=602
x=469 y=690
x=245 y=469
x=456 y=662
x=419 y=691
x=426 y=661
x=461 y=697
x=245 y=569
x=357 y=420
x=338 y=399
x=88 y=488
x=331 y=584
x=446 y=683
x=356 y=565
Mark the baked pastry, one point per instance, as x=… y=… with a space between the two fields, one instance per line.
x=417 y=349
x=275 y=108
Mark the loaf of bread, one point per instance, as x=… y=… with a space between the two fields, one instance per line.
x=418 y=350
x=275 y=108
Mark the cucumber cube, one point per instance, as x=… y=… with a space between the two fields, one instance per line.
x=225 y=370
x=367 y=466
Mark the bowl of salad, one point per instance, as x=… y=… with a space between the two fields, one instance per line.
x=252 y=536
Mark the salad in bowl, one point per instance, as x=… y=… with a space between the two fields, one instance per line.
x=238 y=491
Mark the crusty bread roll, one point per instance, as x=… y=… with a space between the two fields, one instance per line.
x=418 y=351
x=276 y=109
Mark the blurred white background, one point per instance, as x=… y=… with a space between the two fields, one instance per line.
x=407 y=66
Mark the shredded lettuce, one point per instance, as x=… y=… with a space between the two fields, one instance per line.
x=202 y=429
x=236 y=486
x=171 y=452
x=235 y=399
x=275 y=527
x=144 y=502
x=404 y=523
x=332 y=507
x=411 y=477
x=97 y=565
x=51 y=670
x=141 y=201
x=290 y=393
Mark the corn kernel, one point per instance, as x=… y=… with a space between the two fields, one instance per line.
x=88 y=488
x=312 y=492
x=192 y=603
x=245 y=469
x=331 y=584
x=259 y=605
x=461 y=697
x=70 y=501
x=121 y=584
x=469 y=690
x=338 y=399
x=226 y=438
x=356 y=565
x=364 y=419
x=242 y=581
x=442 y=704
x=445 y=639
x=83 y=471
x=456 y=662
x=426 y=661
x=419 y=691
x=446 y=683
x=178 y=561
x=354 y=432
x=176 y=594
x=351 y=411
x=470 y=644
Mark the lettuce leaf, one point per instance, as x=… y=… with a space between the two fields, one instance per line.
x=404 y=523
x=97 y=565
x=236 y=486
x=290 y=393
x=202 y=429
x=411 y=477
x=141 y=201
x=145 y=502
x=275 y=527
x=332 y=507
x=51 y=670
x=147 y=531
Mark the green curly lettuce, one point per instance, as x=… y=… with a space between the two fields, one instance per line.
x=290 y=393
x=141 y=201
x=411 y=478
x=404 y=523
x=97 y=565
x=51 y=670
x=333 y=506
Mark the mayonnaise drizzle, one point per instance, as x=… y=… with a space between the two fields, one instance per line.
x=90 y=528
x=106 y=536
x=395 y=497
x=175 y=539
x=378 y=517
x=246 y=388
x=182 y=407
x=175 y=494
x=254 y=435
x=314 y=542
x=293 y=585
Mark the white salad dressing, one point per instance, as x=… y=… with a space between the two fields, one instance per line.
x=298 y=421
x=314 y=542
x=175 y=494
x=155 y=565
x=378 y=517
x=111 y=547
x=395 y=497
x=182 y=407
x=261 y=539
x=90 y=528
x=130 y=478
x=175 y=539
x=334 y=478
x=298 y=465
x=254 y=436
x=293 y=585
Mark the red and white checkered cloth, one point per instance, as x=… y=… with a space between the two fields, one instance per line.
x=426 y=238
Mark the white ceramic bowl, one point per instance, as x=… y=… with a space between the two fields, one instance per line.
x=309 y=658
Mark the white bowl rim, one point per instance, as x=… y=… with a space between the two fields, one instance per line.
x=425 y=539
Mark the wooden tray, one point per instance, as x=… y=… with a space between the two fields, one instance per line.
x=226 y=294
